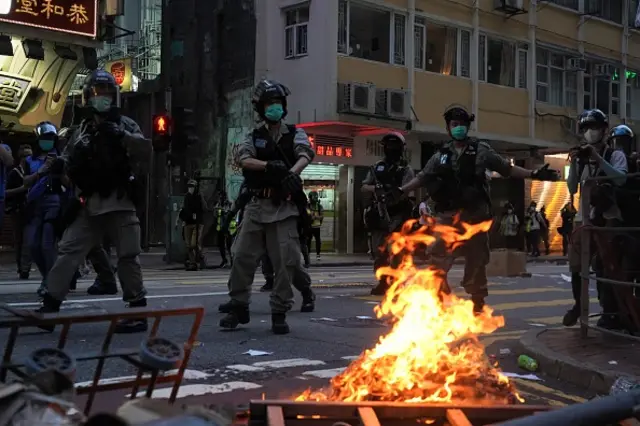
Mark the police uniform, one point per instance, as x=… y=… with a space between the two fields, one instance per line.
x=456 y=180
x=395 y=175
x=106 y=204
x=268 y=223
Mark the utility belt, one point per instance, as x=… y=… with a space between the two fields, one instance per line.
x=264 y=193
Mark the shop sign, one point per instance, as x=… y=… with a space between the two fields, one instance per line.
x=334 y=151
x=67 y=16
x=13 y=91
x=122 y=73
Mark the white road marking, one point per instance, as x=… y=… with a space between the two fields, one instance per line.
x=200 y=390
x=350 y=358
x=288 y=363
x=324 y=374
x=244 y=368
x=112 y=299
x=188 y=375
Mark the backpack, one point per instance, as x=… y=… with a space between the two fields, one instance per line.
x=628 y=195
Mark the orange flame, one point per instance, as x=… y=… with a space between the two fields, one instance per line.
x=432 y=353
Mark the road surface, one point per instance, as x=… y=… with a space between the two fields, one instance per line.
x=321 y=344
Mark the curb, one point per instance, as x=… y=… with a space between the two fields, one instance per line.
x=566 y=368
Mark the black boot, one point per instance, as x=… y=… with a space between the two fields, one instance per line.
x=100 y=289
x=133 y=325
x=571 y=317
x=268 y=285
x=380 y=289
x=609 y=322
x=279 y=324
x=237 y=315
x=308 y=301
x=225 y=308
x=478 y=304
x=49 y=306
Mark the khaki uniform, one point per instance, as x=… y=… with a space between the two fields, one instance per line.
x=272 y=227
x=379 y=236
x=476 y=251
x=109 y=216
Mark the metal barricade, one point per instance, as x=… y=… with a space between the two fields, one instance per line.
x=588 y=236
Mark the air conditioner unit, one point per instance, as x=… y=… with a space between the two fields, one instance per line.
x=508 y=6
x=576 y=64
x=604 y=70
x=362 y=98
x=397 y=106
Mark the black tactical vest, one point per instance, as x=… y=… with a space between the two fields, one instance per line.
x=458 y=189
x=388 y=174
x=268 y=150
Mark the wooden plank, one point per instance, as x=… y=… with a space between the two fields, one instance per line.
x=275 y=416
x=368 y=416
x=457 y=418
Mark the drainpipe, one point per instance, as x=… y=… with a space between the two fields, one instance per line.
x=622 y=108
x=531 y=83
x=411 y=65
x=580 y=78
x=475 y=65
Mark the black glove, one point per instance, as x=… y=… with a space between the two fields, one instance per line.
x=111 y=129
x=277 y=168
x=545 y=173
x=292 y=183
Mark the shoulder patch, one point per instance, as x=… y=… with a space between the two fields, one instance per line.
x=130 y=125
x=260 y=143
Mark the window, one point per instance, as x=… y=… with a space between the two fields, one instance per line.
x=633 y=12
x=570 y=4
x=601 y=91
x=441 y=49
x=610 y=10
x=399 y=30
x=502 y=62
x=368 y=32
x=555 y=84
x=295 y=32
x=633 y=95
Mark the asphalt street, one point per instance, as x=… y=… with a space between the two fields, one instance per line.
x=222 y=368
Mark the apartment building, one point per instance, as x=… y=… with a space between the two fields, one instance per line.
x=525 y=68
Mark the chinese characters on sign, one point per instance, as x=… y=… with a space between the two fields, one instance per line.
x=334 y=151
x=13 y=91
x=68 y=16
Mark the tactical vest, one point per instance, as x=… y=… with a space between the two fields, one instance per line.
x=48 y=184
x=314 y=213
x=191 y=212
x=393 y=175
x=464 y=188
x=268 y=150
x=101 y=167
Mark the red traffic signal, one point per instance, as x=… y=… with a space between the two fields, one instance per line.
x=161 y=124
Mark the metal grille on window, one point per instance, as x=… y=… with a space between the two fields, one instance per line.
x=482 y=65
x=465 y=53
x=342 y=27
x=301 y=39
x=399 y=25
x=419 y=43
x=289 y=45
x=522 y=69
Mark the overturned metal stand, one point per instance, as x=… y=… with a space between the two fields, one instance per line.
x=289 y=413
x=15 y=319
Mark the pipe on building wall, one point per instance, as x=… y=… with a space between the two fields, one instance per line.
x=580 y=76
x=475 y=66
x=411 y=65
x=531 y=64
x=624 y=49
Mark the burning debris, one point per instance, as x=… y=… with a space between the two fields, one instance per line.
x=432 y=353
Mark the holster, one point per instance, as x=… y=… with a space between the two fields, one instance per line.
x=69 y=214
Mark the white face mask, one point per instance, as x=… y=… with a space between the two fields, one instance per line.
x=593 y=136
x=191 y=190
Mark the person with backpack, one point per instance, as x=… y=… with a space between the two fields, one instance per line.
x=455 y=178
x=594 y=157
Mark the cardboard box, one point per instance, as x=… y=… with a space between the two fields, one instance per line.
x=507 y=263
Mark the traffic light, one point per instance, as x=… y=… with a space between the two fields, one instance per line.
x=161 y=132
x=184 y=129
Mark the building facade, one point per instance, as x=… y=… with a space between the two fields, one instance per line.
x=525 y=68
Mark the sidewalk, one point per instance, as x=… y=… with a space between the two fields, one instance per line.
x=593 y=363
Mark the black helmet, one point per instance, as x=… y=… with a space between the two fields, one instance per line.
x=46 y=130
x=592 y=118
x=393 y=137
x=458 y=112
x=621 y=131
x=99 y=79
x=266 y=91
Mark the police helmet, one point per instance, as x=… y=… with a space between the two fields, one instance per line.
x=268 y=90
x=393 y=137
x=313 y=195
x=46 y=130
x=459 y=113
x=99 y=81
x=592 y=118
x=192 y=182
x=621 y=131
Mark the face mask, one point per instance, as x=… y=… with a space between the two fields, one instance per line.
x=101 y=103
x=509 y=211
x=393 y=154
x=593 y=136
x=274 y=112
x=45 y=145
x=459 y=133
x=26 y=154
x=191 y=190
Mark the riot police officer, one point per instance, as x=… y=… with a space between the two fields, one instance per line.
x=622 y=138
x=390 y=172
x=99 y=161
x=455 y=178
x=272 y=158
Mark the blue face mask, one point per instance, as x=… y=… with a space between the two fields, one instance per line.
x=45 y=145
x=274 y=112
x=100 y=103
x=459 y=133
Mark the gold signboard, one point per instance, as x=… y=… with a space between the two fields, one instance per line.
x=122 y=73
x=13 y=91
x=68 y=16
